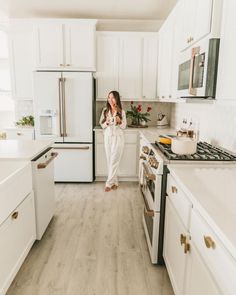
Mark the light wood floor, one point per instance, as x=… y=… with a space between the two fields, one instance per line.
x=94 y=245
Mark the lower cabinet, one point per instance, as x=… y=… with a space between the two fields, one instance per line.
x=174 y=255
x=196 y=259
x=17 y=235
x=198 y=278
x=129 y=162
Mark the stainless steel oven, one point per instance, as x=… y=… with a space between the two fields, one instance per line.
x=197 y=74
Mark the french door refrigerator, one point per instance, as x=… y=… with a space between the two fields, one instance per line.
x=63 y=104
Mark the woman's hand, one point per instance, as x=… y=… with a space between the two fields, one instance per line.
x=118 y=120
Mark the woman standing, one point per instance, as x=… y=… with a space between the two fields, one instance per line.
x=113 y=120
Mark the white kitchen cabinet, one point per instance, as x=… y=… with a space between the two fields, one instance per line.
x=127 y=62
x=22 y=59
x=165 y=58
x=20 y=133
x=196 y=21
x=128 y=167
x=227 y=62
x=107 y=64
x=65 y=44
x=150 y=54
x=173 y=252
x=130 y=67
x=17 y=235
x=203 y=265
x=198 y=278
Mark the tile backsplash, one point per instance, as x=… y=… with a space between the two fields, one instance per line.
x=217 y=123
x=156 y=108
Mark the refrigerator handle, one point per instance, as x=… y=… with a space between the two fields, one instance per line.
x=60 y=105
x=64 y=106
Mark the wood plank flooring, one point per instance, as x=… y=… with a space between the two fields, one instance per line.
x=94 y=245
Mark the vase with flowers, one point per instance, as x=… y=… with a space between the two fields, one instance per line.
x=138 y=118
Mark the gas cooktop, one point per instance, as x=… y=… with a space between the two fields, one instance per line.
x=205 y=152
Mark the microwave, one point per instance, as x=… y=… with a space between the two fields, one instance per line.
x=197 y=74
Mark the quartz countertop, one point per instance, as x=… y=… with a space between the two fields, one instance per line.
x=22 y=149
x=212 y=191
x=150 y=133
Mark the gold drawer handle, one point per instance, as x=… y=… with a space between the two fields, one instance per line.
x=15 y=215
x=183 y=239
x=186 y=248
x=209 y=242
x=19 y=133
x=174 y=189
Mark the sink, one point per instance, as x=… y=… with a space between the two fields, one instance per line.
x=15 y=185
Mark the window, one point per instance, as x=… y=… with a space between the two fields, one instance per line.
x=6 y=103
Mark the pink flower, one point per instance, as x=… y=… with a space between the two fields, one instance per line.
x=149 y=109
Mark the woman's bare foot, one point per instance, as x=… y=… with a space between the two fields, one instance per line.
x=107 y=189
x=114 y=186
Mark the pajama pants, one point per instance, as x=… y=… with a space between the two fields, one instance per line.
x=114 y=145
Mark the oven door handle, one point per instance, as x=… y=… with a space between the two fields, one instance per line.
x=192 y=90
x=150 y=176
x=147 y=210
x=45 y=164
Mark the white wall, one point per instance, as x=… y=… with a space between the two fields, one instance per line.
x=217 y=123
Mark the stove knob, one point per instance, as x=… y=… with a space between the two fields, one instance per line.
x=145 y=149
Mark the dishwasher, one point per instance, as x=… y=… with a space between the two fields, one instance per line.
x=43 y=186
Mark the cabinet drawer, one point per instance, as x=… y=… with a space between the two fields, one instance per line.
x=20 y=133
x=179 y=200
x=17 y=235
x=216 y=257
x=14 y=191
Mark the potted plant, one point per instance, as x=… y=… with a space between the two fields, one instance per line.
x=138 y=118
x=27 y=121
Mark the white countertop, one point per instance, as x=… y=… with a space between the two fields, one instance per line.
x=150 y=133
x=22 y=149
x=212 y=190
x=9 y=168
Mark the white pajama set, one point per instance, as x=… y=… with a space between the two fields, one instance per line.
x=114 y=144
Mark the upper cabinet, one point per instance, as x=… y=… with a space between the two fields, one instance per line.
x=21 y=57
x=127 y=62
x=227 y=61
x=196 y=22
x=68 y=45
x=130 y=67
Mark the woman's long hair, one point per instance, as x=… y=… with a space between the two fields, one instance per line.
x=118 y=105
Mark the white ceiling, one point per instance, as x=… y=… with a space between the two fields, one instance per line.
x=98 y=9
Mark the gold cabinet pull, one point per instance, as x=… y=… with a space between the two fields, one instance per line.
x=209 y=242
x=15 y=215
x=174 y=189
x=186 y=248
x=19 y=133
x=183 y=239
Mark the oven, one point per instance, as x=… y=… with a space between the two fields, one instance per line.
x=197 y=75
x=150 y=179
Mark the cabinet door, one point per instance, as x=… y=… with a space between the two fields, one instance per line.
x=150 y=52
x=17 y=235
x=80 y=46
x=198 y=278
x=165 y=59
x=227 y=61
x=101 y=162
x=107 y=64
x=173 y=252
x=130 y=67
x=49 y=37
x=202 y=25
x=188 y=21
x=21 y=60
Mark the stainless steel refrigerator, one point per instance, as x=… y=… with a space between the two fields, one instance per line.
x=63 y=108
